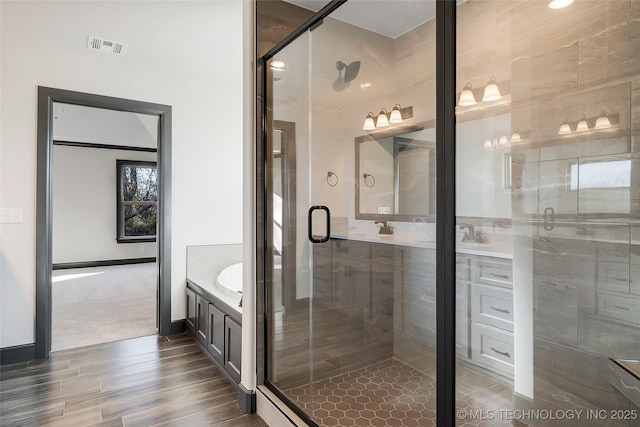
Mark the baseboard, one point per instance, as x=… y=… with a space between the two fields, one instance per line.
x=246 y=399
x=104 y=263
x=17 y=354
x=178 y=327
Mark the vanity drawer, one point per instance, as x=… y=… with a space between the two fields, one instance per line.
x=493 y=348
x=493 y=271
x=322 y=248
x=492 y=306
x=352 y=249
x=382 y=254
x=322 y=267
x=624 y=308
x=613 y=276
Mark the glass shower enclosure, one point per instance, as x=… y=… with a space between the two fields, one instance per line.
x=546 y=287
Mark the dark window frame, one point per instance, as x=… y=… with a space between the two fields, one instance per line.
x=120 y=237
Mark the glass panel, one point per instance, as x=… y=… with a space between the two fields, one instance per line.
x=288 y=279
x=548 y=309
x=373 y=296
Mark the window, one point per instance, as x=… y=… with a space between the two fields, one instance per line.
x=137 y=201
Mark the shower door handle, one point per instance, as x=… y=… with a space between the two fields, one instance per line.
x=310 y=225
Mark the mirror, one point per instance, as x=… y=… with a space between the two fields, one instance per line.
x=391 y=169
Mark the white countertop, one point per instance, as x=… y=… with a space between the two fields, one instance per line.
x=497 y=250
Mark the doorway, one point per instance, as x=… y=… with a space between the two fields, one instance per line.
x=104 y=198
x=47 y=99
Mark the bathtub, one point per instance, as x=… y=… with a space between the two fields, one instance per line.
x=229 y=284
x=217 y=271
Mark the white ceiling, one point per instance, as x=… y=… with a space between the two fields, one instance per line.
x=390 y=18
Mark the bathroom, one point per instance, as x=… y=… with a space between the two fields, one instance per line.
x=546 y=207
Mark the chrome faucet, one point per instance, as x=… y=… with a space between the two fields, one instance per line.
x=384 y=228
x=470 y=235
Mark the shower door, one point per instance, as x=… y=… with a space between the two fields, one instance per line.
x=351 y=308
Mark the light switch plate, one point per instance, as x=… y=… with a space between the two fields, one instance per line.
x=10 y=215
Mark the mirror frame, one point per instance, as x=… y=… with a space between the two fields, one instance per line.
x=373 y=136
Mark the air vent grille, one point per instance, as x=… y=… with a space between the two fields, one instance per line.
x=107 y=46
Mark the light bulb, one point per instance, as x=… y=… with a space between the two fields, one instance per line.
x=603 y=122
x=491 y=91
x=466 y=96
x=369 y=123
x=582 y=125
x=565 y=129
x=383 y=120
x=396 y=115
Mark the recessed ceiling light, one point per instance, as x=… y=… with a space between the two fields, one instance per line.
x=278 y=65
x=365 y=85
x=559 y=4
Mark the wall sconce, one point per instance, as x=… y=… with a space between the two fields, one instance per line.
x=582 y=125
x=466 y=96
x=565 y=129
x=491 y=91
x=503 y=140
x=396 y=115
x=559 y=4
x=369 y=124
x=384 y=118
x=603 y=121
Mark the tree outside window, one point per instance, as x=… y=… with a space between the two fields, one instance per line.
x=137 y=201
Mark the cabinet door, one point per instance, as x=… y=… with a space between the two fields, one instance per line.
x=202 y=310
x=321 y=280
x=232 y=348
x=191 y=311
x=215 y=342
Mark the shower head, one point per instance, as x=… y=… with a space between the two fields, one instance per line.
x=350 y=71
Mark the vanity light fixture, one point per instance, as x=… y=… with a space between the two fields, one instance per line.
x=466 y=96
x=503 y=140
x=369 y=124
x=491 y=91
x=383 y=120
x=565 y=129
x=488 y=143
x=603 y=122
x=515 y=137
x=396 y=115
x=582 y=125
x=559 y=4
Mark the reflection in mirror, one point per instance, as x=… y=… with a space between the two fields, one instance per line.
x=392 y=168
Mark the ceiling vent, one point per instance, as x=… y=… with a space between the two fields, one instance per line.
x=106 y=46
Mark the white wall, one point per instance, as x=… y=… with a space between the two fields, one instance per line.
x=184 y=54
x=84 y=205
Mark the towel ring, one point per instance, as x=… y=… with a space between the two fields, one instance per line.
x=332 y=179
x=369 y=182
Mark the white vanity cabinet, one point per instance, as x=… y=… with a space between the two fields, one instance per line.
x=491 y=314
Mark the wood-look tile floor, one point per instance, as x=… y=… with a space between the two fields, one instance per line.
x=148 y=381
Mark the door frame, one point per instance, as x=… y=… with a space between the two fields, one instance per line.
x=44 y=260
x=445 y=205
